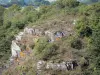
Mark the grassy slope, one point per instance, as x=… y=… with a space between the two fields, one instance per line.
x=58 y=19
x=64 y=52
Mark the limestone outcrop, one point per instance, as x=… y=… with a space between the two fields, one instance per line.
x=30 y=35
x=22 y=45
x=64 y=65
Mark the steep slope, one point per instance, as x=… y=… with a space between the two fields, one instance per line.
x=60 y=39
x=65 y=25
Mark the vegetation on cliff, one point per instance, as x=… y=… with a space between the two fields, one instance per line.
x=84 y=44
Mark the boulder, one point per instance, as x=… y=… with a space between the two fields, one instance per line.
x=49 y=65
x=69 y=65
x=29 y=30
x=38 y=32
x=33 y=31
x=56 y=66
x=41 y=65
x=15 y=49
x=11 y=59
x=19 y=36
x=63 y=66
x=50 y=35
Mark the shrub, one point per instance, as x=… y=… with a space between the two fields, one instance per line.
x=40 y=45
x=20 y=25
x=84 y=63
x=44 y=49
x=67 y=3
x=87 y=31
x=1 y=14
x=49 y=51
x=77 y=44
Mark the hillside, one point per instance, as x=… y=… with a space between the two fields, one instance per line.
x=7 y=3
x=88 y=1
x=36 y=3
x=58 y=39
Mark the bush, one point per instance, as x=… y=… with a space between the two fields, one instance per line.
x=84 y=63
x=77 y=44
x=44 y=49
x=67 y=3
x=87 y=31
x=20 y=25
x=40 y=45
x=1 y=14
x=49 y=51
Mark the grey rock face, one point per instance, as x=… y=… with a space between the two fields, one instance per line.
x=41 y=65
x=19 y=36
x=32 y=31
x=69 y=65
x=50 y=35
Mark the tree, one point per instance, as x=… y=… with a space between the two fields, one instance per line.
x=1 y=14
x=89 y=1
x=67 y=3
x=94 y=52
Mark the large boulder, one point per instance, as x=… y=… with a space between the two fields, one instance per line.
x=33 y=31
x=68 y=65
x=50 y=35
x=15 y=49
x=41 y=65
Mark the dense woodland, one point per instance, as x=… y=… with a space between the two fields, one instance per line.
x=87 y=28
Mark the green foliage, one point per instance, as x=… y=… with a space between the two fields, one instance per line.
x=89 y=21
x=95 y=42
x=13 y=22
x=41 y=45
x=93 y=51
x=83 y=28
x=44 y=49
x=67 y=3
x=20 y=25
x=1 y=15
x=89 y=10
x=89 y=1
x=28 y=68
x=15 y=19
x=89 y=26
x=77 y=44
x=10 y=13
x=31 y=14
x=49 y=51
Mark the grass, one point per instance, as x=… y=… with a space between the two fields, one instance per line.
x=64 y=51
